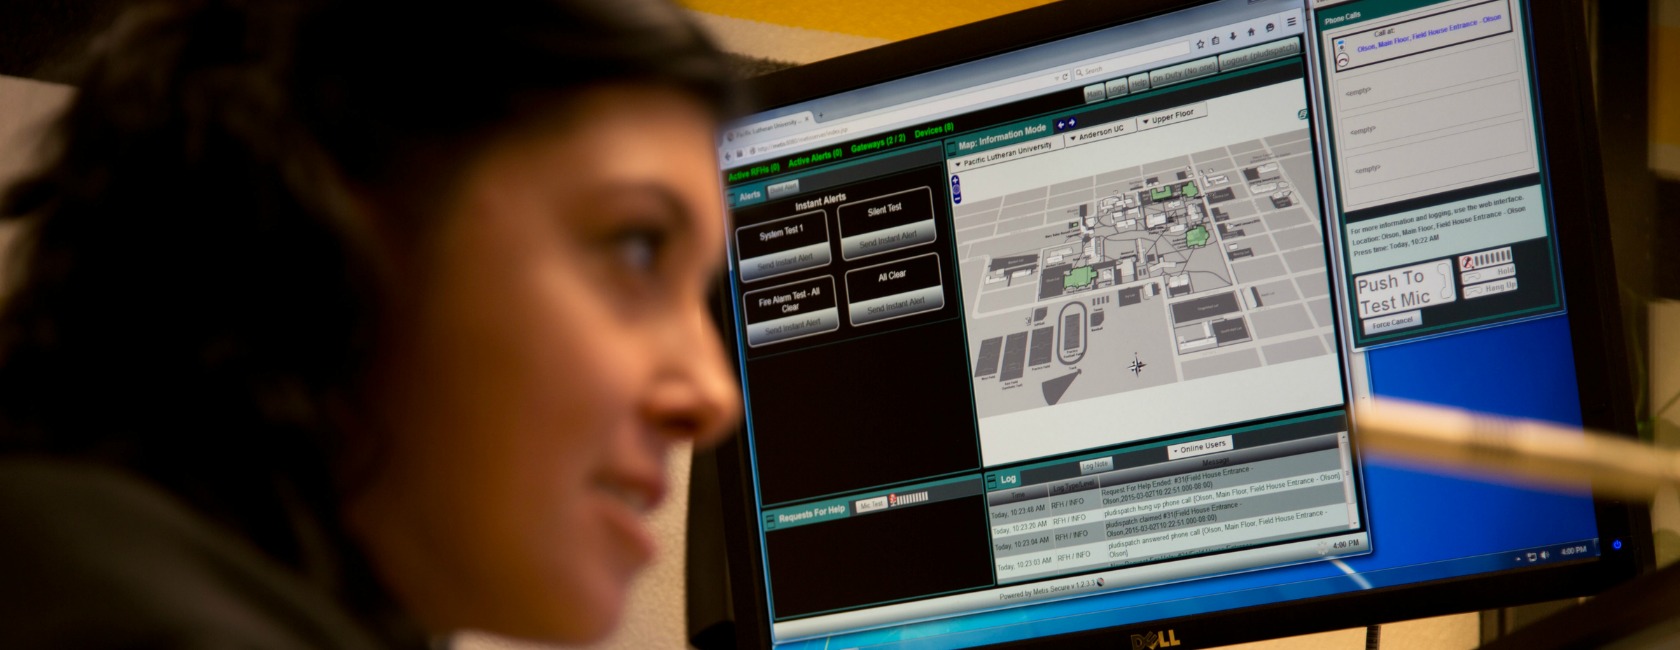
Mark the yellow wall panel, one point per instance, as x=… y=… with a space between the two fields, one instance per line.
x=875 y=19
x=1665 y=89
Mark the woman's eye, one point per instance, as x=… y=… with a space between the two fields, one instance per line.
x=639 y=249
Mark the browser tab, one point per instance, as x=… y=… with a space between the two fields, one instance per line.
x=768 y=128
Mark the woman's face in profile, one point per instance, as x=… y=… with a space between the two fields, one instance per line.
x=563 y=348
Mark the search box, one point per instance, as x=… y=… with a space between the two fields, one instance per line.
x=1124 y=63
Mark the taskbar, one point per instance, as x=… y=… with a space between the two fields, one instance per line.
x=1101 y=612
x=1352 y=543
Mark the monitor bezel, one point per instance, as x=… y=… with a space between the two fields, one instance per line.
x=1570 y=129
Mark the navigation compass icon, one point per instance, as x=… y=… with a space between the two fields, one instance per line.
x=1136 y=366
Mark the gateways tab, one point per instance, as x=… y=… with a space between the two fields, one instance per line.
x=886 y=223
x=790 y=311
x=895 y=289
x=783 y=246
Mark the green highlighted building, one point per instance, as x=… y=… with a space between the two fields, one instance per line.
x=1197 y=237
x=1078 y=277
x=1190 y=190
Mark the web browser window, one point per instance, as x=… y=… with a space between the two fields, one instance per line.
x=1054 y=325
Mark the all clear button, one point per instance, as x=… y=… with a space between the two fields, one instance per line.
x=1096 y=465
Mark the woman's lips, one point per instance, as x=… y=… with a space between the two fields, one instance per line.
x=628 y=502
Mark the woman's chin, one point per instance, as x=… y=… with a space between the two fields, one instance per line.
x=593 y=612
x=570 y=626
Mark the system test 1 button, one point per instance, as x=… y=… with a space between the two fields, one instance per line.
x=790 y=311
x=782 y=246
x=895 y=289
x=886 y=223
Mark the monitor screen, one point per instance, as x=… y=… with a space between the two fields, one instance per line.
x=1065 y=337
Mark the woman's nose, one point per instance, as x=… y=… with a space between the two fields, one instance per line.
x=698 y=397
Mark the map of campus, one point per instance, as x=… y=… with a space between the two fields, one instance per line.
x=1163 y=276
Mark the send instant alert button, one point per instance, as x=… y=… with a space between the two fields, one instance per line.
x=791 y=311
x=783 y=246
x=886 y=223
x=1400 y=321
x=895 y=289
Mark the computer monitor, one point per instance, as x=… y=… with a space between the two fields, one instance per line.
x=1049 y=326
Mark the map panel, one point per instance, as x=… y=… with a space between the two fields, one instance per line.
x=1182 y=269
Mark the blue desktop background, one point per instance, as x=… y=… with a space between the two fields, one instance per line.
x=1425 y=525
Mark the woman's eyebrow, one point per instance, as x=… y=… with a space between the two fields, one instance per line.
x=672 y=208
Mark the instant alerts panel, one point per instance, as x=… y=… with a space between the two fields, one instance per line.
x=886 y=223
x=894 y=290
x=791 y=311
x=782 y=246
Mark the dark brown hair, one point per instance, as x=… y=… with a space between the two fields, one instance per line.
x=194 y=295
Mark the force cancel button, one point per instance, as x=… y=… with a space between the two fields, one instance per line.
x=1390 y=322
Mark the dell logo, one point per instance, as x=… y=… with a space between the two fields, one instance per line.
x=1154 y=640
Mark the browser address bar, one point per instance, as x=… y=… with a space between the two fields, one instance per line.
x=937 y=107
